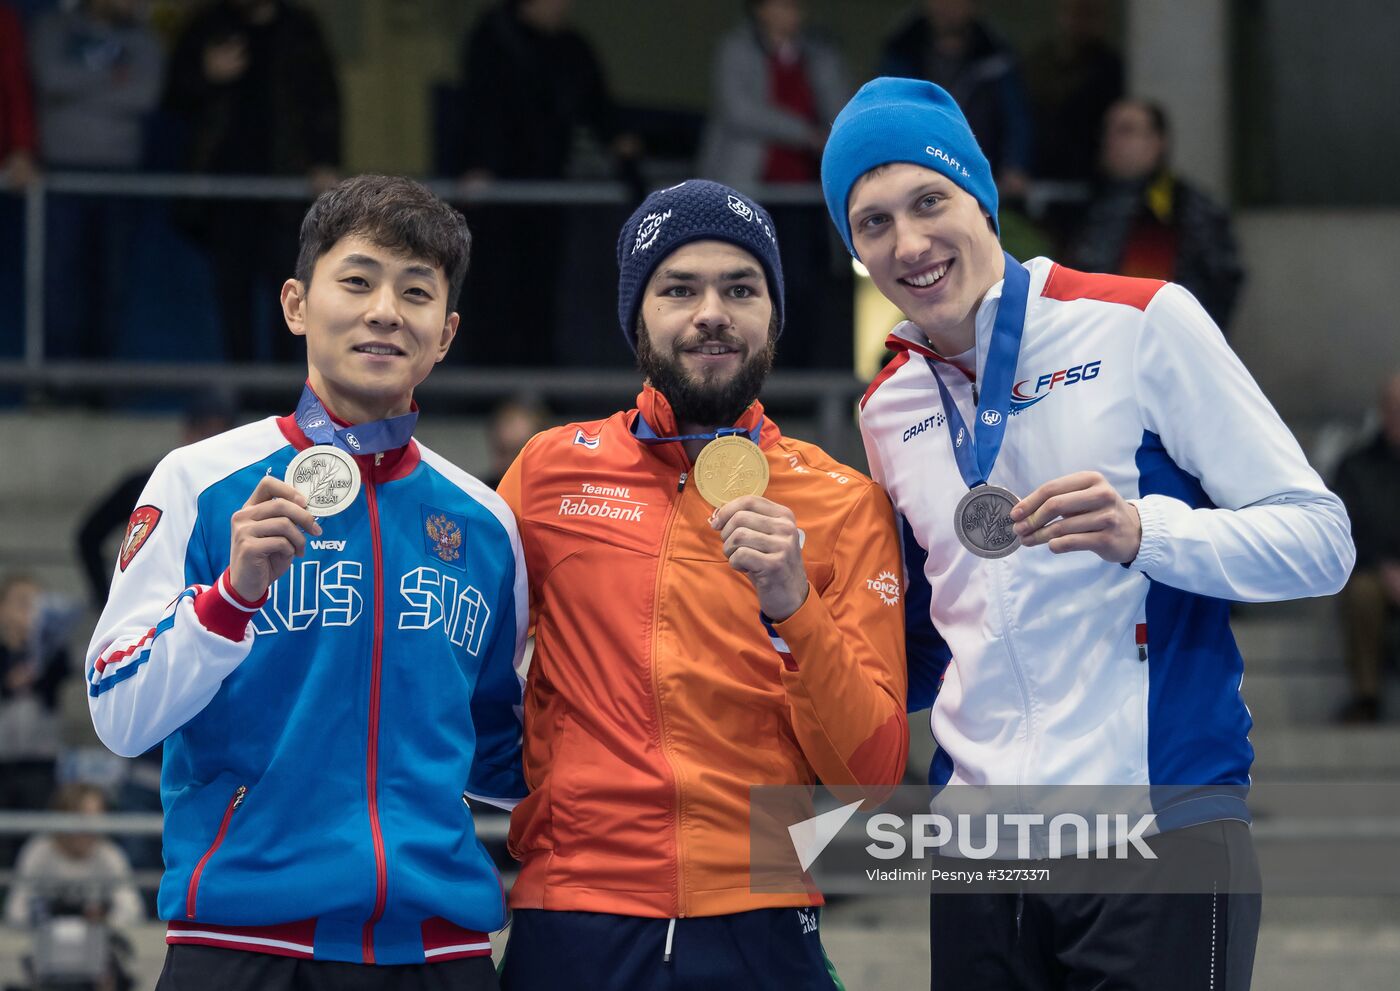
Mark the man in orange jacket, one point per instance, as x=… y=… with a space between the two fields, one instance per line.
x=686 y=652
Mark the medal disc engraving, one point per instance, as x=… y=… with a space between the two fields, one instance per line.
x=983 y=521
x=327 y=476
x=730 y=467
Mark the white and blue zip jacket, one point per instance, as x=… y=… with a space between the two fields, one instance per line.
x=321 y=746
x=1046 y=669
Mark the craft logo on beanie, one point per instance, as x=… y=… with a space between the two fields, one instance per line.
x=694 y=210
x=902 y=120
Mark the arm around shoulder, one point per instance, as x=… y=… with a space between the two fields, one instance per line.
x=846 y=685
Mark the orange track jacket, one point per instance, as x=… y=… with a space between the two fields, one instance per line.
x=656 y=697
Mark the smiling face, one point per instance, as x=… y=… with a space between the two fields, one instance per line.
x=704 y=336
x=375 y=323
x=929 y=248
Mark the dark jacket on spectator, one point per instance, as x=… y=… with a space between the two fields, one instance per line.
x=986 y=82
x=1069 y=92
x=106 y=518
x=51 y=669
x=1206 y=258
x=524 y=93
x=280 y=117
x=1368 y=481
x=16 y=103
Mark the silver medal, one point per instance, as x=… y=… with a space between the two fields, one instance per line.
x=983 y=521
x=327 y=476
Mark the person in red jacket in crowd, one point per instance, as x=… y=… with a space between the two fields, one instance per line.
x=16 y=103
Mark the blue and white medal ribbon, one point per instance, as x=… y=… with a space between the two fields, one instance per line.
x=326 y=472
x=362 y=438
x=982 y=519
x=645 y=433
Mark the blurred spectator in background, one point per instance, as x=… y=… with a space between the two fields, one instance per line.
x=530 y=84
x=16 y=171
x=16 y=103
x=776 y=87
x=512 y=424
x=253 y=85
x=32 y=667
x=210 y=414
x=949 y=45
x=74 y=873
x=82 y=876
x=97 y=72
x=1146 y=221
x=1073 y=78
x=1368 y=480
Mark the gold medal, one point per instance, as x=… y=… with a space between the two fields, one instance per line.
x=730 y=467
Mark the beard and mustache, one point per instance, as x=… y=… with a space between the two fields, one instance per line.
x=703 y=398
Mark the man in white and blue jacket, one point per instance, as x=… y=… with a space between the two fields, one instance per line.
x=1086 y=474
x=333 y=691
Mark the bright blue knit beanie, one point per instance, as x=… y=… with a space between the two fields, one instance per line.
x=902 y=120
x=695 y=210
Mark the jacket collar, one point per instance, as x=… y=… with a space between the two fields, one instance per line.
x=655 y=410
x=394 y=464
x=908 y=337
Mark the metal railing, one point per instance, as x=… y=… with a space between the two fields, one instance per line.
x=199 y=186
x=489 y=828
x=829 y=394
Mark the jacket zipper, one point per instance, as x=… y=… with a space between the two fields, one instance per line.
x=233 y=804
x=656 y=689
x=996 y=567
x=381 y=869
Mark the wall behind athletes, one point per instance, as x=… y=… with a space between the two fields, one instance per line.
x=1315 y=322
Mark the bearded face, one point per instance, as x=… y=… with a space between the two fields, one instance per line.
x=711 y=397
x=705 y=332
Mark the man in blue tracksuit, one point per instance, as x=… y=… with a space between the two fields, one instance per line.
x=330 y=652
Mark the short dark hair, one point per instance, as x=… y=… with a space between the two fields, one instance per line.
x=395 y=213
x=1156 y=114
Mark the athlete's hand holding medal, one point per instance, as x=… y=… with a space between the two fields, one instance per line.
x=322 y=480
x=761 y=538
x=1080 y=512
x=267 y=533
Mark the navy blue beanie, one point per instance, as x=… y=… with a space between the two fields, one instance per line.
x=696 y=210
x=902 y=120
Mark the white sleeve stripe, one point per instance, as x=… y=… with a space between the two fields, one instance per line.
x=228 y=596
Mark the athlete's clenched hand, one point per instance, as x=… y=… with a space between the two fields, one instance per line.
x=1080 y=512
x=266 y=534
x=762 y=542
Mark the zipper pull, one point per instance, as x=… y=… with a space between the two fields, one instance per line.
x=378 y=459
x=680 y=483
x=239 y=795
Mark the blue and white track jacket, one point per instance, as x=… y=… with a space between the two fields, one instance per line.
x=1066 y=669
x=320 y=746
